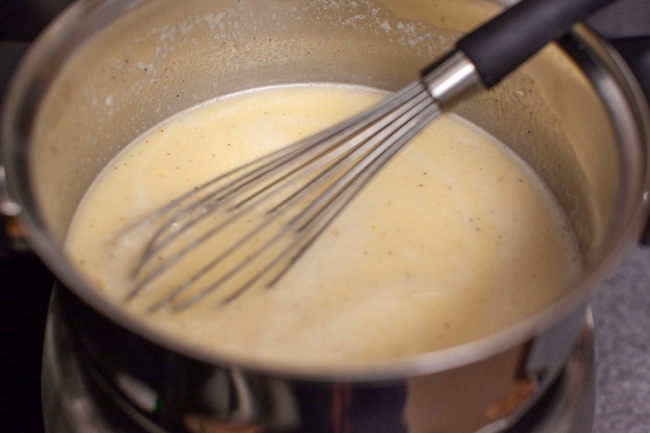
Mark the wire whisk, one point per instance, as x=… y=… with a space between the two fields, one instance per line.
x=247 y=227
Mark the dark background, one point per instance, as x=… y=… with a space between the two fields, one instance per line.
x=25 y=283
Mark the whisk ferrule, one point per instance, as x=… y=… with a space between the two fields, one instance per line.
x=451 y=78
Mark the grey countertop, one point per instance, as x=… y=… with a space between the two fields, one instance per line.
x=621 y=305
x=621 y=309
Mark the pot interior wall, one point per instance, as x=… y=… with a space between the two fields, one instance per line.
x=165 y=56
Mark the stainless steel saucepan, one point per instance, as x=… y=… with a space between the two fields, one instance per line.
x=108 y=70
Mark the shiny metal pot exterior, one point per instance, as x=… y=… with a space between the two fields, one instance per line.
x=106 y=71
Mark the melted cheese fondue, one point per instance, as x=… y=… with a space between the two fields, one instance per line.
x=454 y=240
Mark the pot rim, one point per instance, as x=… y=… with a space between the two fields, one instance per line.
x=14 y=141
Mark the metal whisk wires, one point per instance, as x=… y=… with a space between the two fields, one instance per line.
x=247 y=227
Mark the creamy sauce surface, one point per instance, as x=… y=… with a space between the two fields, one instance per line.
x=454 y=240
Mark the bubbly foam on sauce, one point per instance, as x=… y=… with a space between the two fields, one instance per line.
x=454 y=240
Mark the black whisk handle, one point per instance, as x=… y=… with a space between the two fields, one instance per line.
x=505 y=42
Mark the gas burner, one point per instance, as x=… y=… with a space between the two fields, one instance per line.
x=75 y=399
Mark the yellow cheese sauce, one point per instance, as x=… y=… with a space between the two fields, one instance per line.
x=453 y=240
